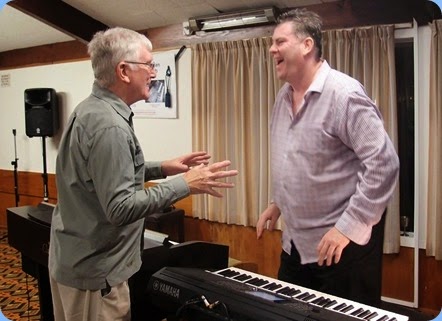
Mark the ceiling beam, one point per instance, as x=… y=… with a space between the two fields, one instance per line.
x=61 y=16
x=354 y=13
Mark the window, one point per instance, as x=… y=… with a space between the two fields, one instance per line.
x=404 y=56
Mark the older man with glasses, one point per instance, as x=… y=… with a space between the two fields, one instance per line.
x=98 y=223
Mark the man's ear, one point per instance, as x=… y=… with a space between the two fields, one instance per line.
x=121 y=72
x=309 y=45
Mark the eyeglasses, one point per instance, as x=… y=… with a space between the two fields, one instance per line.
x=151 y=65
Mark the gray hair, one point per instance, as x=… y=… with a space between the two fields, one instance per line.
x=305 y=24
x=110 y=47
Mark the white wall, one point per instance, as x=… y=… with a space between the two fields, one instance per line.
x=160 y=138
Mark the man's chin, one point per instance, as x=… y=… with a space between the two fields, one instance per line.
x=280 y=76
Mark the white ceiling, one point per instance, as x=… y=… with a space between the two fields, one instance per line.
x=18 y=30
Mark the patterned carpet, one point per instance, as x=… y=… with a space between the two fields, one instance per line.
x=18 y=291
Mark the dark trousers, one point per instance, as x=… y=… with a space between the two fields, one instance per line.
x=357 y=276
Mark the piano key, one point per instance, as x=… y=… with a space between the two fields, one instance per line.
x=292 y=292
x=284 y=290
x=242 y=277
x=324 y=301
x=364 y=314
x=319 y=301
x=330 y=304
x=348 y=308
x=229 y=273
x=272 y=286
x=252 y=279
x=309 y=297
x=302 y=295
x=340 y=305
x=371 y=316
x=257 y=282
x=357 y=311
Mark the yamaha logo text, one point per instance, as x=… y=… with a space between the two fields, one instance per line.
x=166 y=289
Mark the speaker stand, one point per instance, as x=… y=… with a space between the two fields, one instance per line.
x=15 y=164
x=45 y=173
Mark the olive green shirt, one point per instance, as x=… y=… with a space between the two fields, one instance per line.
x=98 y=223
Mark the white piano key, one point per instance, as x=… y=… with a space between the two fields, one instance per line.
x=330 y=302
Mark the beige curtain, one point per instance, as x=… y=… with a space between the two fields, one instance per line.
x=233 y=91
x=434 y=219
x=367 y=54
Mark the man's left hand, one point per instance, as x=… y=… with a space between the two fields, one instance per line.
x=183 y=163
x=331 y=246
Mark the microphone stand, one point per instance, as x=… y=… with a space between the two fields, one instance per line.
x=15 y=164
x=45 y=173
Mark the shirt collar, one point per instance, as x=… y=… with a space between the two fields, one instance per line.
x=319 y=81
x=113 y=100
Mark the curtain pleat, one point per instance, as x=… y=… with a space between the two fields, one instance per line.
x=233 y=90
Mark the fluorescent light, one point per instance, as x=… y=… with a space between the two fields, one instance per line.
x=239 y=19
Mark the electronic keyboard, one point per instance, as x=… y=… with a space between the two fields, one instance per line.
x=236 y=294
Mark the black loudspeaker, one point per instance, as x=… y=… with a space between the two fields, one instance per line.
x=41 y=112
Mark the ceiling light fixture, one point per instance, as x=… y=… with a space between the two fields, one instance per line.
x=240 y=19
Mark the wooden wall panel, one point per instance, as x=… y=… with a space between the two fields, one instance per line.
x=30 y=190
x=29 y=183
x=242 y=242
x=430 y=284
x=398 y=275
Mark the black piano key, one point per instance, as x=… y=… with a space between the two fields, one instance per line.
x=228 y=273
x=242 y=277
x=319 y=300
x=292 y=292
x=309 y=297
x=235 y=274
x=383 y=318
x=371 y=316
x=283 y=290
x=261 y=282
x=364 y=314
x=272 y=286
x=347 y=308
x=252 y=281
x=393 y=319
x=357 y=311
x=323 y=302
x=279 y=286
x=339 y=307
x=330 y=304
x=302 y=295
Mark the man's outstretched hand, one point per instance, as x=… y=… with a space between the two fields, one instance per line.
x=183 y=163
x=202 y=179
